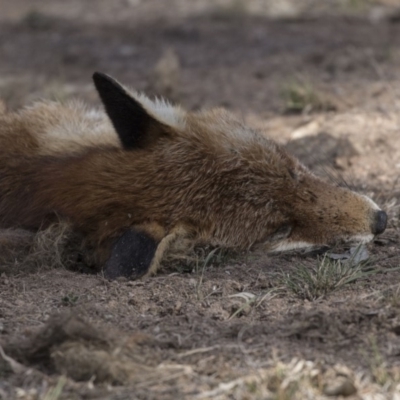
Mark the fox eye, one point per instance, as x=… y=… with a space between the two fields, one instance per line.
x=281 y=233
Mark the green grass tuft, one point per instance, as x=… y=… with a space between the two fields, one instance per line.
x=302 y=97
x=328 y=275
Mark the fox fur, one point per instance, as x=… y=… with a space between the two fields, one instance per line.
x=143 y=174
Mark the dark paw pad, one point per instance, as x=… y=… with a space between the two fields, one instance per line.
x=131 y=256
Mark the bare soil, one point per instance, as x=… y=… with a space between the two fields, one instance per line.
x=187 y=332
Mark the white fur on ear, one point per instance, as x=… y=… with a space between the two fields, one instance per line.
x=162 y=110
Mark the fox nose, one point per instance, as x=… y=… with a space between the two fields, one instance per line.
x=379 y=222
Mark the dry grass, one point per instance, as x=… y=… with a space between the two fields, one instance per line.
x=300 y=379
x=54 y=393
x=185 y=256
x=54 y=247
x=83 y=352
x=250 y=301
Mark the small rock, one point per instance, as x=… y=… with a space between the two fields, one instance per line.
x=340 y=387
x=309 y=129
x=178 y=306
x=342 y=162
x=192 y=282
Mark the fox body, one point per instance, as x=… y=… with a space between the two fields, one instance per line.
x=144 y=174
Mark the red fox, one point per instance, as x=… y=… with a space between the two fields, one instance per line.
x=145 y=174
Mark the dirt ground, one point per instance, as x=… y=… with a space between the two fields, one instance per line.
x=325 y=81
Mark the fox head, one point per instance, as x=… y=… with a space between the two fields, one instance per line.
x=226 y=183
x=228 y=177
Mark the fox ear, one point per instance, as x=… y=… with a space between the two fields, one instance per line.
x=135 y=127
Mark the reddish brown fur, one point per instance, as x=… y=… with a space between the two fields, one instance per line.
x=213 y=179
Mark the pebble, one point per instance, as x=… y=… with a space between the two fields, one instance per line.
x=340 y=387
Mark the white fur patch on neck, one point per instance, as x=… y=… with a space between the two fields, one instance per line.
x=363 y=238
x=163 y=111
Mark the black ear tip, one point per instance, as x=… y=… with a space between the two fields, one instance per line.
x=100 y=77
x=104 y=82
